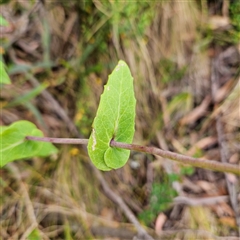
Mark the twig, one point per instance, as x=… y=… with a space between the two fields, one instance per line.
x=195 y=162
x=200 y=201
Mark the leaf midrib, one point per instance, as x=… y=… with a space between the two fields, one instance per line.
x=119 y=105
x=12 y=146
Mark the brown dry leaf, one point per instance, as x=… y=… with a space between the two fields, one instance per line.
x=219 y=22
x=196 y=113
x=161 y=219
x=206 y=186
x=191 y=186
x=223 y=209
x=223 y=91
x=227 y=209
x=229 y=221
x=107 y=213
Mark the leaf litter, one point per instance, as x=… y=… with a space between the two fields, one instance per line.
x=60 y=188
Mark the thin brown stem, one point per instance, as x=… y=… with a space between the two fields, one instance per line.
x=195 y=162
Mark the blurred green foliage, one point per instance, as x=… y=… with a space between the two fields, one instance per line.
x=141 y=10
x=4 y=1
x=170 y=72
x=235 y=14
x=234 y=11
x=162 y=195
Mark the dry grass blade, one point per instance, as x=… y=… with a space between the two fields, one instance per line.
x=27 y=202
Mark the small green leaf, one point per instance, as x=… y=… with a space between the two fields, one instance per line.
x=3 y=21
x=114 y=120
x=14 y=145
x=4 y=78
x=34 y=235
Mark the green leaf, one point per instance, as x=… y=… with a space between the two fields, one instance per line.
x=2 y=128
x=14 y=145
x=34 y=235
x=46 y=150
x=3 y=21
x=114 y=120
x=4 y=78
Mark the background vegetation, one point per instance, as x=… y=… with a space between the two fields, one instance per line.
x=184 y=56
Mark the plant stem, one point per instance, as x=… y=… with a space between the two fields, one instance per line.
x=195 y=162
